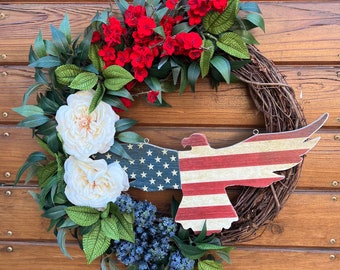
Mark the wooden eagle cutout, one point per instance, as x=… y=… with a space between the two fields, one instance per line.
x=203 y=173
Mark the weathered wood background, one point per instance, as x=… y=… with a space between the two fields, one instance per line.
x=303 y=39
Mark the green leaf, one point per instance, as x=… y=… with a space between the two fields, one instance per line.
x=159 y=30
x=47 y=128
x=39 y=46
x=257 y=20
x=130 y=137
x=95 y=243
x=222 y=65
x=224 y=254
x=83 y=215
x=48 y=105
x=189 y=251
x=32 y=89
x=39 y=76
x=246 y=36
x=65 y=28
x=33 y=121
x=250 y=7
x=43 y=145
x=46 y=62
x=84 y=81
x=217 y=23
x=110 y=227
x=55 y=212
x=202 y=234
x=125 y=228
x=45 y=172
x=66 y=73
x=117 y=149
x=59 y=39
x=28 y=110
x=124 y=124
x=61 y=238
x=120 y=93
x=193 y=74
x=209 y=265
x=122 y=5
x=31 y=160
x=184 y=80
x=51 y=49
x=153 y=83
x=234 y=45
x=84 y=46
x=183 y=27
x=207 y=246
x=206 y=56
x=97 y=97
x=95 y=58
x=116 y=77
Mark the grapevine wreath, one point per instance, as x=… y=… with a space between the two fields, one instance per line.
x=87 y=81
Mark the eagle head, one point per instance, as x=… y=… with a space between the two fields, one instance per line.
x=196 y=139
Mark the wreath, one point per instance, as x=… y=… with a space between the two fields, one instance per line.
x=82 y=84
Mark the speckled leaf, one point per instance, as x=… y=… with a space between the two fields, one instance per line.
x=95 y=243
x=82 y=215
x=206 y=56
x=234 y=45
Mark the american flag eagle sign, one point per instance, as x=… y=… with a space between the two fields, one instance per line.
x=203 y=173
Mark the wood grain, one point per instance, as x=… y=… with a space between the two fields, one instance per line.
x=28 y=256
x=308 y=34
x=317 y=89
x=309 y=219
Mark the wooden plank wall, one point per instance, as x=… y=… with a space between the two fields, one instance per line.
x=303 y=39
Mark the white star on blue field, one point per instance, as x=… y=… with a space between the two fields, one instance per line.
x=151 y=168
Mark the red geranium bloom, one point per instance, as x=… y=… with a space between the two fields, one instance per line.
x=123 y=57
x=96 y=36
x=145 y=26
x=112 y=31
x=107 y=53
x=132 y=14
x=219 y=5
x=152 y=96
x=170 y=4
x=169 y=45
x=141 y=57
x=140 y=74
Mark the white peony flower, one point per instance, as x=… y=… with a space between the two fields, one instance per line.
x=86 y=134
x=93 y=183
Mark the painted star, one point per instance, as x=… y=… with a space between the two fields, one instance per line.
x=108 y=156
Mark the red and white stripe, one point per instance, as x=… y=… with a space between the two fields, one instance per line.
x=206 y=172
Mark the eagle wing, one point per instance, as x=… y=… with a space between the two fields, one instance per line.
x=254 y=161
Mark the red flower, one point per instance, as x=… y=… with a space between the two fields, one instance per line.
x=112 y=31
x=140 y=74
x=169 y=46
x=96 y=36
x=108 y=54
x=170 y=4
x=123 y=57
x=219 y=5
x=132 y=14
x=152 y=96
x=198 y=9
x=145 y=26
x=141 y=57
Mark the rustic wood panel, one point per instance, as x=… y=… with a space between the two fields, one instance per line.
x=27 y=256
x=317 y=89
x=309 y=219
x=319 y=171
x=311 y=26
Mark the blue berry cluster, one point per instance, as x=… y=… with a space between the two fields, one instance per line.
x=152 y=236
x=178 y=262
